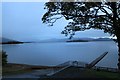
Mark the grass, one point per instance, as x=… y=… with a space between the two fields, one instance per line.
x=12 y=69
x=76 y=72
x=102 y=74
x=15 y=72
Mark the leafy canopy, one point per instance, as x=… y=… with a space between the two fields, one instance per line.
x=84 y=15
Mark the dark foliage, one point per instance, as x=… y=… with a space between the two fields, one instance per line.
x=86 y=15
x=4 y=58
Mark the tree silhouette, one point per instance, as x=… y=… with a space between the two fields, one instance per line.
x=86 y=15
x=4 y=58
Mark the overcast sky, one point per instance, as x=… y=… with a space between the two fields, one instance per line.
x=22 y=21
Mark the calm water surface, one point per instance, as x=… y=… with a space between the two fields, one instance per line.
x=55 y=53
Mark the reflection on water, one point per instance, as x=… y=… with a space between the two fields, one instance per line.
x=56 y=53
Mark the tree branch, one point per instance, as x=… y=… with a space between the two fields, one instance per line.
x=104 y=11
x=54 y=20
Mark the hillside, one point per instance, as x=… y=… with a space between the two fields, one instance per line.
x=89 y=39
x=9 y=41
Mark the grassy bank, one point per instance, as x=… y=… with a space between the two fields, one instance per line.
x=81 y=73
x=12 y=68
x=102 y=74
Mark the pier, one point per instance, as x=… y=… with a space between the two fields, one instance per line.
x=80 y=66
x=94 y=62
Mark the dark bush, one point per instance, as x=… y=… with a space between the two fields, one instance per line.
x=4 y=58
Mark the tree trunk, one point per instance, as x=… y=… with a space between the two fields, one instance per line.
x=118 y=40
x=117 y=29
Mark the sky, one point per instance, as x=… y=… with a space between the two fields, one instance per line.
x=22 y=21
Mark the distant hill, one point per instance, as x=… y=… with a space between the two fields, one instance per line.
x=51 y=40
x=8 y=41
x=74 y=40
x=89 y=39
x=77 y=41
x=103 y=39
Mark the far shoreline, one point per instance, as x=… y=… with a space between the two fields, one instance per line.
x=12 y=42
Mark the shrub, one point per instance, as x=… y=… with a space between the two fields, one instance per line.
x=4 y=58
